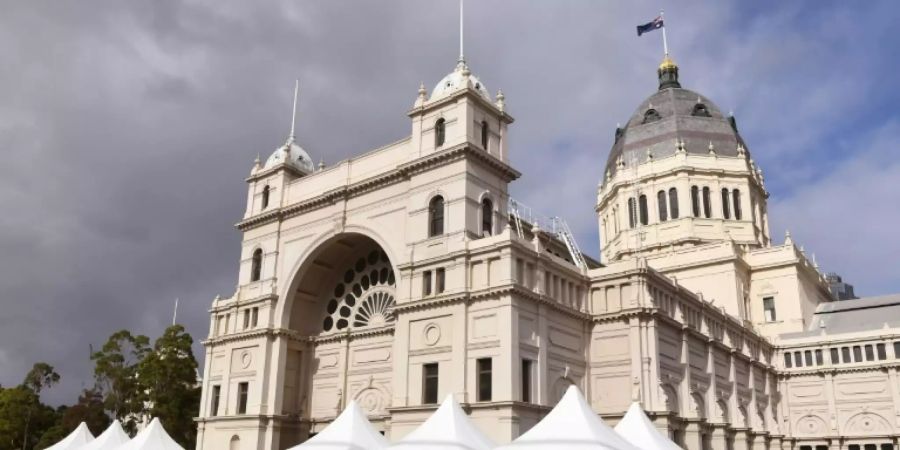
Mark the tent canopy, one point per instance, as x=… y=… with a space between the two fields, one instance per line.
x=448 y=428
x=154 y=437
x=571 y=425
x=350 y=431
x=77 y=438
x=637 y=429
x=111 y=438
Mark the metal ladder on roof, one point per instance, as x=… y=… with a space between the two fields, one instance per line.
x=565 y=235
x=514 y=214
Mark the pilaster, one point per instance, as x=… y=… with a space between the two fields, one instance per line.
x=693 y=436
x=741 y=439
x=717 y=438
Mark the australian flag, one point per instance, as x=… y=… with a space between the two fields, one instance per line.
x=654 y=24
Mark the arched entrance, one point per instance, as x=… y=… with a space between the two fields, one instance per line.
x=340 y=309
x=347 y=284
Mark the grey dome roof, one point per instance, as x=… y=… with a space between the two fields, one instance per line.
x=292 y=155
x=669 y=116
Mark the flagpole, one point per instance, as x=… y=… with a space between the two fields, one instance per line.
x=665 y=41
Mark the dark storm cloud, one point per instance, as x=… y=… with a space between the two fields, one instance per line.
x=127 y=128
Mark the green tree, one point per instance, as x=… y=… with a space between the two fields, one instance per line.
x=39 y=377
x=18 y=406
x=115 y=373
x=168 y=377
x=89 y=409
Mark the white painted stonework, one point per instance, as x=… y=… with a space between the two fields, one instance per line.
x=355 y=299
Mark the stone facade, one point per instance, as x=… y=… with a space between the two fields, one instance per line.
x=402 y=275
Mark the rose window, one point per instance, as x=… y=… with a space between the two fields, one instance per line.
x=364 y=297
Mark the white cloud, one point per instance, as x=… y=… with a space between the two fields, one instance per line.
x=849 y=217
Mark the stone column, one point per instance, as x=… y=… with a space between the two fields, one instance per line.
x=717 y=438
x=693 y=438
x=758 y=442
x=741 y=439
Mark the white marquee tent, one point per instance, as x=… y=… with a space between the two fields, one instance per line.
x=110 y=439
x=448 y=428
x=571 y=425
x=350 y=431
x=154 y=437
x=77 y=438
x=637 y=429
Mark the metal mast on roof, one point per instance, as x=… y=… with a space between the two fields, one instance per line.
x=462 y=57
x=665 y=41
x=294 y=113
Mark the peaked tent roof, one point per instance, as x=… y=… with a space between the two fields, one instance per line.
x=78 y=437
x=571 y=425
x=154 y=437
x=350 y=431
x=111 y=438
x=448 y=428
x=637 y=429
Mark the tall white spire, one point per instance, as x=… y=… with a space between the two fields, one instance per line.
x=462 y=57
x=294 y=113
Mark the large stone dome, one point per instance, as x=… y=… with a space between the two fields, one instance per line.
x=671 y=117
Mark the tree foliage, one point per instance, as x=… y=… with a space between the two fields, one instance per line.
x=115 y=374
x=132 y=383
x=168 y=376
x=89 y=410
x=23 y=418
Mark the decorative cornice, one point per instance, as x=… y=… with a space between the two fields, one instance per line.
x=352 y=335
x=232 y=304
x=249 y=335
x=400 y=173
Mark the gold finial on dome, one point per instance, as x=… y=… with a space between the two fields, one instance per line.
x=667 y=63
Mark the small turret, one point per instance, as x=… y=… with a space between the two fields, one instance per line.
x=668 y=74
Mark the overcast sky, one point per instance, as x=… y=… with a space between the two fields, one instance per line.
x=127 y=129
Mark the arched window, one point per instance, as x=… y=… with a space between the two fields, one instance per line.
x=487 y=217
x=615 y=216
x=265 y=197
x=256 y=265
x=632 y=213
x=439 y=132
x=645 y=219
x=707 y=204
x=651 y=115
x=436 y=216
x=726 y=209
x=736 y=197
x=673 y=203
x=661 y=201
x=695 y=200
x=485 y=135
x=700 y=110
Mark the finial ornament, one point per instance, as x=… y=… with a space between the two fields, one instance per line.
x=741 y=151
x=501 y=100
x=712 y=148
x=321 y=164
x=787 y=238
x=680 y=145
